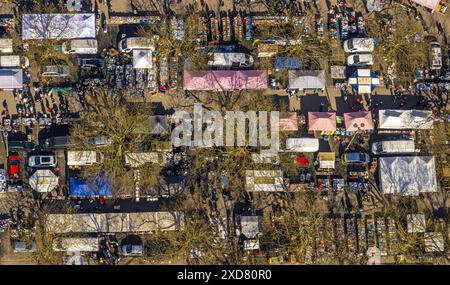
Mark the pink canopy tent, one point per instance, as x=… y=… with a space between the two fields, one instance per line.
x=361 y=121
x=288 y=121
x=430 y=4
x=321 y=121
x=228 y=80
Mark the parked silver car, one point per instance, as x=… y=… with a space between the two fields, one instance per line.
x=38 y=161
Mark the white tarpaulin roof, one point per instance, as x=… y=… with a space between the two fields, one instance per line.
x=302 y=144
x=306 y=79
x=405 y=119
x=43 y=180
x=11 y=78
x=58 y=26
x=407 y=175
x=142 y=58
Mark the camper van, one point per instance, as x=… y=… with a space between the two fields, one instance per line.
x=83 y=158
x=6 y=46
x=231 y=59
x=80 y=46
x=129 y=44
x=393 y=147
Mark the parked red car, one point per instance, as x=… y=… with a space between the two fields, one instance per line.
x=14 y=167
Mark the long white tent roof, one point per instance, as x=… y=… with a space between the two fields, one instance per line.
x=302 y=144
x=407 y=175
x=58 y=26
x=114 y=222
x=405 y=119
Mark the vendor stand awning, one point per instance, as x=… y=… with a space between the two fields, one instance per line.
x=306 y=79
x=321 y=121
x=358 y=121
x=326 y=160
x=363 y=81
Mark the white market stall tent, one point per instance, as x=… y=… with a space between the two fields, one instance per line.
x=43 y=180
x=58 y=26
x=11 y=78
x=405 y=119
x=302 y=144
x=306 y=79
x=407 y=175
x=142 y=58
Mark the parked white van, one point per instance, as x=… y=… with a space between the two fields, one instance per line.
x=393 y=147
x=6 y=46
x=80 y=46
x=302 y=144
x=129 y=44
x=231 y=59
x=359 y=45
x=82 y=158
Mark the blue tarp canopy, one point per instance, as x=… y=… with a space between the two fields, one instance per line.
x=96 y=186
x=287 y=63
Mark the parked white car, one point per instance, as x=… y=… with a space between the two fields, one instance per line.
x=360 y=59
x=359 y=45
x=38 y=161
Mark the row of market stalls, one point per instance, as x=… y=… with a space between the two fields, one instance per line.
x=326 y=121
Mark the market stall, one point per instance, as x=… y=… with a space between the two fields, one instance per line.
x=358 y=121
x=321 y=121
x=364 y=81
